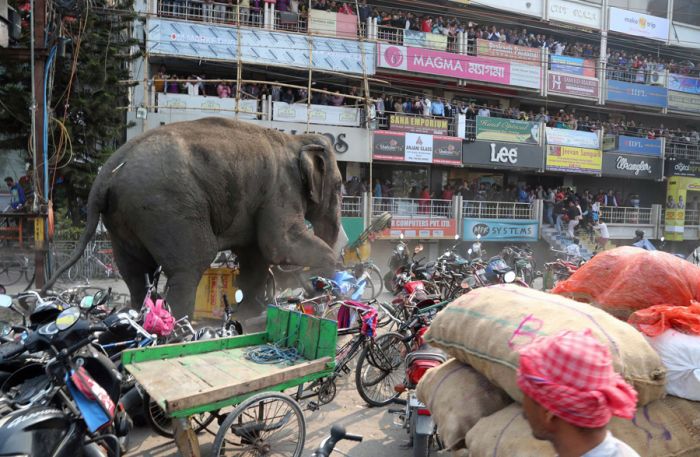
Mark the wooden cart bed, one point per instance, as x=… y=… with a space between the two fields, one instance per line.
x=189 y=378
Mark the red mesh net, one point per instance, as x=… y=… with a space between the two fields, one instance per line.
x=655 y=320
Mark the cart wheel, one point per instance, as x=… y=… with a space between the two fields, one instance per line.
x=327 y=391
x=380 y=367
x=270 y=423
x=163 y=425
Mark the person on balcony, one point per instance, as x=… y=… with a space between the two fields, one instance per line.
x=17 y=196
x=427 y=25
x=424 y=201
x=438 y=108
x=346 y=9
x=426 y=104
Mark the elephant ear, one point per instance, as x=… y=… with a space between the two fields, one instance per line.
x=313 y=164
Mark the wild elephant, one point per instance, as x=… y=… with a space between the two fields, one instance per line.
x=178 y=194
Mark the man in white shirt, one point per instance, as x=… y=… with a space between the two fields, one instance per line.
x=193 y=85
x=604 y=235
x=573 y=251
x=427 y=106
x=484 y=111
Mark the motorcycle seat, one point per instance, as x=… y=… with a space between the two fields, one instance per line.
x=426 y=352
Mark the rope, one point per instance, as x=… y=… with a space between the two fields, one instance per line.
x=271 y=353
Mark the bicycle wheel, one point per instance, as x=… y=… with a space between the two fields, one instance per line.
x=377 y=279
x=381 y=366
x=369 y=292
x=163 y=425
x=270 y=423
x=334 y=309
x=11 y=271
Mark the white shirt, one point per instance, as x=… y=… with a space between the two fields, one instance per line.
x=484 y=112
x=573 y=250
x=193 y=89
x=603 y=229
x=427 y=104
x=611 y=447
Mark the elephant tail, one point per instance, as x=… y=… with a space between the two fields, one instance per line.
x=95 y=206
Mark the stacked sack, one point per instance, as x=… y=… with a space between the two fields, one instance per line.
x=485 y=328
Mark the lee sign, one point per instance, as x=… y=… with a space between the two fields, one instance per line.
x=499 y=154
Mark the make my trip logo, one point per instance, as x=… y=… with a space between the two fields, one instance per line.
x=642 y=22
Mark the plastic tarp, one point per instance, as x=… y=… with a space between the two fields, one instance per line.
x=626 y=279
x=655 y=320
x=680 y=354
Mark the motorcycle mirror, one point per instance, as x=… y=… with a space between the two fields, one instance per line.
x=67 y=318
x=509 y=277
x=5 y=301
x=401 y=236
x=87 y=302
x=238 y=296
x=5 y=328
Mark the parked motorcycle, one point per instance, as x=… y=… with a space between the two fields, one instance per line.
x=521 y=260
x=399 y=259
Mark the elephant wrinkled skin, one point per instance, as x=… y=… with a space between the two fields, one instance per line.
x=177 y=195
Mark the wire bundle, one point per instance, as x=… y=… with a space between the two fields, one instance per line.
x=271 y=353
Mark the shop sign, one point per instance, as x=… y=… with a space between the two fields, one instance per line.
x=460 y=66
x=501 y=229
x=421 y=228
x=574 y=160
x=502 y=50
x=682 y=83
x=332 y=24
x=512 y=130
x=629 y=166
x=212 y=106
x=573 y=138
x=682 y=167
x=317 y=114
x=417 y=147
x=636 y=94
x=574 y=13
x=572 y=65
x=418 y=124
x=576 y=86
x=638 y=24
x=425 y=40
x=635 y=145
x=681 y=101
x=497 y=154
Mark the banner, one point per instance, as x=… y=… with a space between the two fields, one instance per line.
x=682 y=83
x=425 y=40
x=573 y=138
x=421 y=228
x=507 y=51
x=332 y=24
x=460 y=66
x=574 y=160
x=500 y=129
x=676 y=196
x=682 y=167
x=318 y=114
x=501 y=229
x=418 y=124
x=643 y=146
x=638 y=24
x=573 y=65
x=167 y=103
x=417 y=147
x=497 y=154
x=576 y=86
x=629 y=166
x=574 y=13
x=681 y=101
x=636 y=94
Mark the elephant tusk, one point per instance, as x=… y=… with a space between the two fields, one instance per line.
x=118 y=167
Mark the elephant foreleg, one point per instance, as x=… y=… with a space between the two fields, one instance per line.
x=254 y=276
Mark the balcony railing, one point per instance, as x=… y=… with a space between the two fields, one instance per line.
x=497 y=210
x=682 y=150
x=351 y=207
x=692 y=217
x=625 y=215
x=290 y=22
x=648 y=76
x=210 y=12
x=412 y=207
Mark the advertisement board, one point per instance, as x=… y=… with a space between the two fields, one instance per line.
x=631 y=166
x=676 y=199
x=213 y=106
x=317 y=114
x=574 y=13
x=638 y=24
x=258 y=46
x=332 y=24
x=682 y=101
x=420 y=228
x=417 y=147
x=574 y=160
x=636 y=94
x=682 y=167
x=503 y=50
x=498 y=154
x=643 y=146
x=425 y=40
x=418 y=124
x=573 y=65
x=513 y=130
x=460 y=66
x=575 y=86
x=573 y=138
x=501 y=229
x=682 y=83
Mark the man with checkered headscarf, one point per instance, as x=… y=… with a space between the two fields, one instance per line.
x=572 y=392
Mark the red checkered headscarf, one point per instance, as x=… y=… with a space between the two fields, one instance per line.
x=571 y=375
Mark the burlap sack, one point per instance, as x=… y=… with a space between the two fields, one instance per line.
x=457 y=397
x=664 y=428
x=485 y=327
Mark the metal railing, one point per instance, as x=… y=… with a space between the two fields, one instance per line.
x=351 y=206
x=410 y=207
x=497 y=210
x=682 y=150
x=633 y=75
x=625 y=215
x=210 y=12
x=692 y=217
x=290 y=22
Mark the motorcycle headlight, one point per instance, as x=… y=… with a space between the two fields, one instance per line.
x=509 y=277
x=400 y=248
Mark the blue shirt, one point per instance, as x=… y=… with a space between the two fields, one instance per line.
x=378 y=191
x=17 y=197
x=644 y=244
x=438 y=109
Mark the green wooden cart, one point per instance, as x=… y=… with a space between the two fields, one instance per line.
x=205 y=376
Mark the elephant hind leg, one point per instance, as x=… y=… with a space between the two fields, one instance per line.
x=133 y=268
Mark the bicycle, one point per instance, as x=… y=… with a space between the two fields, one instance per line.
x=94 y=263
x=15 y=267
